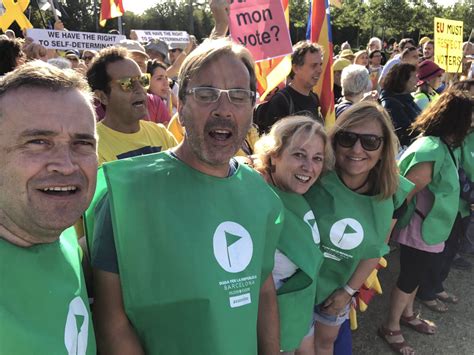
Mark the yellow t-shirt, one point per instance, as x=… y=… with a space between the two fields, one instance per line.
x=252 y=136
x=151 y=138
x=176 y=129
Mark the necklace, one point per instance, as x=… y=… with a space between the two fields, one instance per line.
x=359 y=187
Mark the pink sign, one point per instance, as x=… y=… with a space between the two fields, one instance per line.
x=260 y=26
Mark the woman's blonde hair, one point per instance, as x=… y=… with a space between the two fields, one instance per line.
x=384 y=177
x=284 y=134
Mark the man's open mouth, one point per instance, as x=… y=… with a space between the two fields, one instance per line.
x=220 y=134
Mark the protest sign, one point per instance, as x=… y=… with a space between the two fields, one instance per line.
x=73 y=40
x=448 y=44
x=260 y=26
x=166 y=36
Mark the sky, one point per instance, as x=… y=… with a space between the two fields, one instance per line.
x=140 y=6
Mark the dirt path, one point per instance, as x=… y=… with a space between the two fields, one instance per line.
x=455 y=334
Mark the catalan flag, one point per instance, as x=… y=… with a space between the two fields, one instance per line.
x=110 y=9
x=319 y=31
x=272 y=72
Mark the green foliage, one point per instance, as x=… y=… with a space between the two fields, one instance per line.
x=357 y=20
x=462 y=11
x=298 y=19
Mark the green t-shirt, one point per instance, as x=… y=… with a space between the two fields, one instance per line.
x=44 y=307
x=193 y=251
x=299 y=242
x=352 y=227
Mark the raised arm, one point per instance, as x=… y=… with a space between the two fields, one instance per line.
x=220 y=11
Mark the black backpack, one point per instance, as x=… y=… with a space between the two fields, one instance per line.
x=260 y=112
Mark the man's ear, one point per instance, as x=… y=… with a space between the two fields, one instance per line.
x=295 y=68
x=101 y=96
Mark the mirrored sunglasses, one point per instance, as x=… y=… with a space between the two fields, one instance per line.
x=126 y=84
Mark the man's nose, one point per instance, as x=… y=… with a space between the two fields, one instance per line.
x=62 y=160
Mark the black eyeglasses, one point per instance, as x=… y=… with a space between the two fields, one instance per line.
x=210 y=95
x=369 y=142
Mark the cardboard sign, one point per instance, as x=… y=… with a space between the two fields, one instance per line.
x=448 y=44
x=260 y=26
x=166 y=36
x=64 y=40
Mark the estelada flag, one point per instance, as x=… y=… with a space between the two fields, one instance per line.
x=110 y=9
x=319 y=31
x=271 y=72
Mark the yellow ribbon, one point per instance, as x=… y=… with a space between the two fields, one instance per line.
x=14 y=11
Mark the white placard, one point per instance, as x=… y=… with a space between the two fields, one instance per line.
x=64 y=40
x=166 y=36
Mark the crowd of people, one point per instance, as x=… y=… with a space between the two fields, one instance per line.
x=147 y=206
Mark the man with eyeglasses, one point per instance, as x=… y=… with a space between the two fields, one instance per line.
x=120 y=86
x=182 y=249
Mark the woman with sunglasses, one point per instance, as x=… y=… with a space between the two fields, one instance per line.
x=355 y=208
x=432 y=208
x=291 y=158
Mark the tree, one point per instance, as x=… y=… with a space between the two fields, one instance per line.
x=462 y=11
x=356 y=21
x=350 y=19
x=299 y=10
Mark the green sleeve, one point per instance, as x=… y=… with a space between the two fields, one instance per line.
x=274 y=230
x=404 y=188
x=103 y=252
x=425 y=149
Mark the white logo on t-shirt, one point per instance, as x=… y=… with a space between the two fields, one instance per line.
x=311 y=222
x=346 y=234
x=233 y=247
x=76 y=339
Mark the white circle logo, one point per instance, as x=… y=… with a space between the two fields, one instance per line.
x=233 y=247
x=311 y=222
x=76 y=339
x=347 y=233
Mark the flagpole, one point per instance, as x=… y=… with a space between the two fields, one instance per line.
x=120 y=29
x=54 y=10
x=464 y=51
x=96 y=17
x=41 y=15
